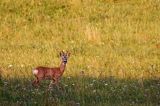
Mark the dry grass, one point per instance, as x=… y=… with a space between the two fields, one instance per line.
x=112 y=39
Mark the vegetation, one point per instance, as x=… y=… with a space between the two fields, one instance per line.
x=114 y=45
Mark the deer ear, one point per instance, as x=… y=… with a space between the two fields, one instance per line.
x=61 y=53
x=68 y=54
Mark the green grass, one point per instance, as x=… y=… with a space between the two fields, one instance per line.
x=83 y=91
x=115 y=42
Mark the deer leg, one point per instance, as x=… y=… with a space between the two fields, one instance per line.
x=57 y=84
x=50 y=85
x=35 y=82
x=53 y=82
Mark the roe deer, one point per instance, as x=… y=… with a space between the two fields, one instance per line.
x=54 y=73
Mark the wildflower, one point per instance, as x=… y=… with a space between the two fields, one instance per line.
x=69 y=77
x=66 y=85
x=145 y=95
x=94 y=81
x=97 y=56
x=24 y=88
x=88 y=66
x=22 y=65
x=10 y=66
x=94 y=91
x=5 y=83
x=102 y=43
x=78 y=104
x=73 y=84
x=103 y=81
x=105 y=84
x=133 y=102
x=91 y=84
x=72 y=41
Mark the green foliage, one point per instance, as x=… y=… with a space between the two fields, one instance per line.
x=83 y=90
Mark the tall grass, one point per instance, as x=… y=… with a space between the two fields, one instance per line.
x=111 y=39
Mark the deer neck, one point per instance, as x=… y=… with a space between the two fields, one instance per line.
x=62 y=66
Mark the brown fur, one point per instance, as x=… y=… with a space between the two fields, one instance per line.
x=54 y=74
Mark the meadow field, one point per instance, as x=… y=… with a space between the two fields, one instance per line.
x=114 y=46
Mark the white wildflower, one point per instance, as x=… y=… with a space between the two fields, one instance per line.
x=66 y=85
x=22 y=65
x=78 y=104
x=10 y=66
x=69 y=77
x=105 y=84
x=91 y=84
x=94 y=81
x=94 y=91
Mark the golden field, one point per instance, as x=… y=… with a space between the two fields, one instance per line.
x=114 y=45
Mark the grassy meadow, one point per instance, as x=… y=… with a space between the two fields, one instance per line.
x=114 y=45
